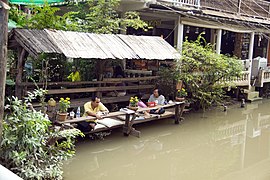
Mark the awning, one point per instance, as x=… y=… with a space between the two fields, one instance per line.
x=92 y=46
x=35 y=2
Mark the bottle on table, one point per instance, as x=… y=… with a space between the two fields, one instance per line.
x=72 y=114
x=78 y=113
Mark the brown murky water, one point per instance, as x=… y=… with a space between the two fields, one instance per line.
x=232 y=145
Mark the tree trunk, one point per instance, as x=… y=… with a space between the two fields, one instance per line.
x=3 y=58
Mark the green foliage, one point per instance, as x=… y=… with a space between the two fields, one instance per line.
x=102 y=17
x=17 y=15
x=206 y=73
x=166 y=83
x=97 y=16
x=43 y=17
x=31 y=147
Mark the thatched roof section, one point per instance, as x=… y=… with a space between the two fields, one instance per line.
x=93 y=46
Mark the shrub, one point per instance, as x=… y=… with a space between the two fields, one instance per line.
x=31 y=147
x=205 y=73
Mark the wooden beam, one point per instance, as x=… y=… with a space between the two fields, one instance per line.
x=3 y=59
x=98 y=89
x=239 y=6
x=20 y=67
x=105 y=81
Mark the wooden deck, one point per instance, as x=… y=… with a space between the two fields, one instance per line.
x=130 y=118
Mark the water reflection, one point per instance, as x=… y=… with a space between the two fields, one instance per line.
x=232 y=145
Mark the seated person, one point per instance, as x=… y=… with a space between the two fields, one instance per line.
x=74 y=75
x=159 y=100
x=93 y=108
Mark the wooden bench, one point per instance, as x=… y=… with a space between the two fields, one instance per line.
x=130 y=118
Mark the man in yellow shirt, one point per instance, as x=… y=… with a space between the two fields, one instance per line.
x=75 y=75
x=93 y=108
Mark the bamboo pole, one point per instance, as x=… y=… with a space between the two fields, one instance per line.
x=3 y=57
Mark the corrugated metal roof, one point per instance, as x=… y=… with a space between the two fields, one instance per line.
x=150 y=47
x=35 y=41
x=94 y=46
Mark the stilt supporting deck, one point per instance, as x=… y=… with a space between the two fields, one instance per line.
x=177 y=113
x=128 y=129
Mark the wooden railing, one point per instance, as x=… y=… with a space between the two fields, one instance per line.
x=82 y=90
x=254 y=8
x=179 y=3
x=243 y=80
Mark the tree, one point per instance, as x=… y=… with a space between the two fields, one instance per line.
x=96 y=16
x=101 y=16
x=43 y=17
x=206 y=73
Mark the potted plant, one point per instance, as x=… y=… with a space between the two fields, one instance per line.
x=64 y=104
x=133 y=103
x=181 y=94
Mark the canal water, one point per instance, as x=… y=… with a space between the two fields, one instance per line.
x=232 y=145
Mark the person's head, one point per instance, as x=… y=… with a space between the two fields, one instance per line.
x=95 y=101
x=73 y=68
x=156 y=92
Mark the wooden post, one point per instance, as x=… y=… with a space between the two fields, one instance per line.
x=3 y=57
x=128 y=129
x=126 y=126
x=177 y=113
x=20 y=67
